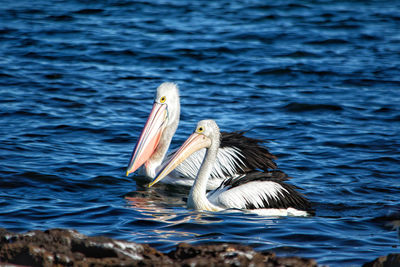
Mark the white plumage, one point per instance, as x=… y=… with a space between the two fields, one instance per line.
x=255 y=192
x=225 y=166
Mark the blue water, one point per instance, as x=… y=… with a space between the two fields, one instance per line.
x=319 y=80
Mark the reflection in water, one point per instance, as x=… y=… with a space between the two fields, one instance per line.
x=157 y=208
x=151 y=199
x=172 y=215
x=149 y=208
x=174 y=235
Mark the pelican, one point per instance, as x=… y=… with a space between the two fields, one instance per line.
x=237 y=154
x=262 y=192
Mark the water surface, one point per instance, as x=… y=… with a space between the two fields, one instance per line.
x=318 y=80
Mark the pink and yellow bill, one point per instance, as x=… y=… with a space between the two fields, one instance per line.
x=149 y=138
x=194 y=143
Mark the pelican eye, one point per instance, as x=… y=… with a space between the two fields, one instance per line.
x=200 y=129
x=162 y=99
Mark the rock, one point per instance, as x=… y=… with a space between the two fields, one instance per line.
x=391 y=260
x=231 y=255
x=69 y=248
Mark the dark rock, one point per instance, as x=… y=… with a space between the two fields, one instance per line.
x=231 y=255
x=391 y=260
x=70 y=248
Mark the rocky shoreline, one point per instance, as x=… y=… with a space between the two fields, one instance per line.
x=62 y=247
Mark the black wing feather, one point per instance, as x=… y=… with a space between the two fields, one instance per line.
x=254 y=154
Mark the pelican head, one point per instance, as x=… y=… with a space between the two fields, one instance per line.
x=158 y=131
x=206 y=135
